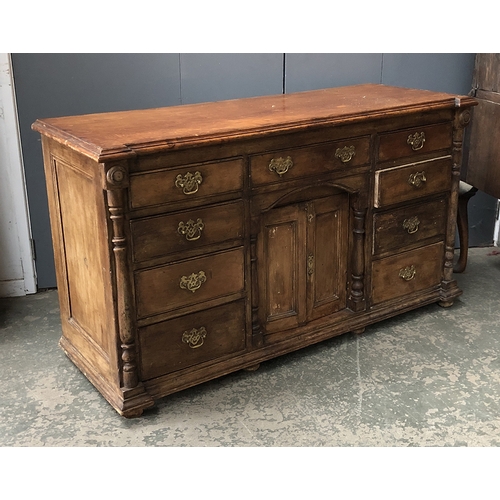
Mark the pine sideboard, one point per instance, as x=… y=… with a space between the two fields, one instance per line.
x=197 y=240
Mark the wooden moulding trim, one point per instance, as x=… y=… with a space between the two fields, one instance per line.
x=121 y=151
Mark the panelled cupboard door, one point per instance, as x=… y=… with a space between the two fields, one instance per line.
x=327 y=237
x=282 y=268
x=302 y=262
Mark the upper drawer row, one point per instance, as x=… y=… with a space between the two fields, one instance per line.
x=203 y=180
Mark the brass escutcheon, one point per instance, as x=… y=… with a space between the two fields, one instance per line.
x=407 y=273
x=193 y=281
x=310 y=264
x=280 y=165
x=417 y=179
x=191 y=229
x=189 y=183
x=194 y=338
x=416 y=141
x=345 y=154
x=411 y=224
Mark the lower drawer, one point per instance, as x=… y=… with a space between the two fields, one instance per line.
x=189 y=340
x=181 y=284
x=407 y=272
x=408 y=226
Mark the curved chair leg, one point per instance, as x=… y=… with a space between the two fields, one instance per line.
x=463 y=229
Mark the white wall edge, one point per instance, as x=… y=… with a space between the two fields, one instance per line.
x=496 y=232
x=12 y=170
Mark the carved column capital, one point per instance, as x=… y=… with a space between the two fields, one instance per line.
x=116 y=176
x=464 y=118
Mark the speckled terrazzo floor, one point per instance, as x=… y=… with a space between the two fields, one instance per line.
x=430 y=377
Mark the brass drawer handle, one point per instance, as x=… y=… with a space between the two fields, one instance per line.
x=189 y=183
x=193 y=281
x=310 y=264
x=417 y=179
x=194 y=338
x=416 y=141
x=280 y=165
x=407 y=273
x=191 y=229
x=411 y=224
x=346 y=153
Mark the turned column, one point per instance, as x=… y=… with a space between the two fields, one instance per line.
x=462 y=119
x=357 y=301
x=116 y=184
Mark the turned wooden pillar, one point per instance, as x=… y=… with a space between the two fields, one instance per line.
x=357 y=301
x=116 y=184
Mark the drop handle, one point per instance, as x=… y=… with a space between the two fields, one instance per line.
x=345 y=154
x=416 y=140
x=417 y=179
x=280 y=165
x=411 y=224
x=195 y=337
x=191 y=229
x=188 y=183
x=193 y=282
x=408 y=273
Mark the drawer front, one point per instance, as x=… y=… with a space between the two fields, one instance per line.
x=165 y=288
x=189 y=340
x=415 y=141
x=410 y=182
x=186 y=183
x=161 y=235
x=407 y=272
x=408 y=226
x=299 y=162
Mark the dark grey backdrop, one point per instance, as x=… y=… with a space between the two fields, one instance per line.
x=50 y=85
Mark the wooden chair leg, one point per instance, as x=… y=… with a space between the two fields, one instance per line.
x=463 y=230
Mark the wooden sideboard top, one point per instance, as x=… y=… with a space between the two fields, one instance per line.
x=105 y=136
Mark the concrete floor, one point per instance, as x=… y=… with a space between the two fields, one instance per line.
x=430 y=377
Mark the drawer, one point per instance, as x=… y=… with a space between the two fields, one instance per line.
x=186 y=183
x=408 y=272
x=165 y=288
x=408 y=226
x=413 y=181
x=415 y=141
x=193 y=339
x=161 y=235
x=300 y=162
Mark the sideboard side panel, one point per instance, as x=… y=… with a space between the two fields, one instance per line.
x=80 y=240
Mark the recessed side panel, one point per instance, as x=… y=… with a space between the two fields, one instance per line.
x=84 y=261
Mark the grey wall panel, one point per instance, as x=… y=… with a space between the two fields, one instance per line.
x=215 y=77
x=438 y=72
x=317 y=71
x=64 y=84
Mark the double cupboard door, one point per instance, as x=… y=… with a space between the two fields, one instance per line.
x=302 y=262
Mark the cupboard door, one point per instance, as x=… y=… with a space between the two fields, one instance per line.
x=327 y=236
x=282 y=268
x=302 y=259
